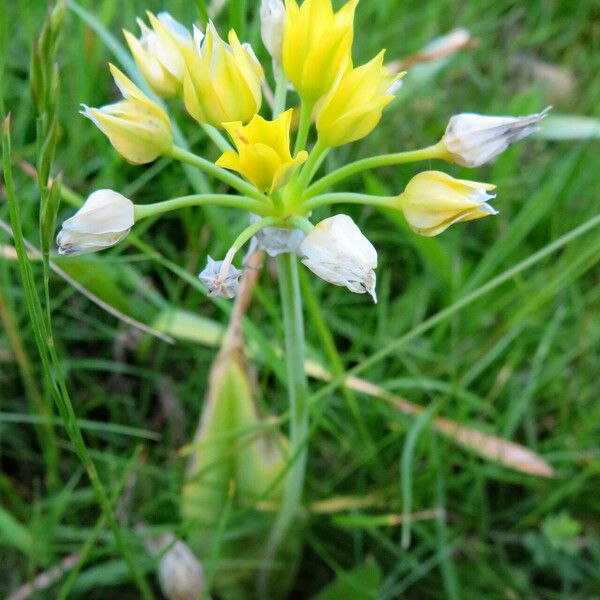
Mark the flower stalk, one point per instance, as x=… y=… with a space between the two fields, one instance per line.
x=437 y=151
x=143 y=211
x=232 y=180
x=293 y=322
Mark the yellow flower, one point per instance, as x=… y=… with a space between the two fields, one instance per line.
x=136 y=126
x=433 y=201
x=353 y=107
x=316 y=45
x=263 y=152
x=157 y=53
x=222 y=81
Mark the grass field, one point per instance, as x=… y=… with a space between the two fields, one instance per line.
x=392 y=509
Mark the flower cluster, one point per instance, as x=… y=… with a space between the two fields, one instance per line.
x=221 y=84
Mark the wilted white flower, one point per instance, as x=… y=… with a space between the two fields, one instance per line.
x=432 y=201
x=473 y=140
x=338 y=252
x=272 y=18
x=277 y=240
x=157 y=53
x=220 y=285
x=103 y=221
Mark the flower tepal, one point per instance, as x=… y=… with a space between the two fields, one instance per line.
x=136 y=126
x=263 y=152
x=316 y=45
x=434 y=200
x=337 y=251
x=473 y=140
x=103 y=221
x=222 y=82
x=157 y=53
x=353 y=107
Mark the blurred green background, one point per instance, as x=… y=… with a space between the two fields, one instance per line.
x=522 y=362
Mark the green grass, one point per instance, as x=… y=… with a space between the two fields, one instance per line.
x=520 y=361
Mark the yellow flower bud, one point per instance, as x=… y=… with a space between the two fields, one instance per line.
x=157 y=53
x=353 y=107
x=316 y=45
x=136 y=126
x=433 y=201
x=222 y=82
x=263 y=152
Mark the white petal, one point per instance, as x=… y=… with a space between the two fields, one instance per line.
x=338 y=252
x=105 y=211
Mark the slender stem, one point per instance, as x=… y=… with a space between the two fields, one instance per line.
x=436 y=151
x=306 y=109
x=241 y=239
x=316 y=158
x=348 y=198
x=205 y=165
x=142 y=211
x=281 y=85
x=301 y=223
x=291 y=301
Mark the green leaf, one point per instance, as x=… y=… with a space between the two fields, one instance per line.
x=361 y=583
x=13 y=534
x=569 y=127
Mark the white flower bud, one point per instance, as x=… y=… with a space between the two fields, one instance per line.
x=103 y=221
x=338 y=252
x=220 y=285
x=277 y=240
x=272 y=17
x=473 y=140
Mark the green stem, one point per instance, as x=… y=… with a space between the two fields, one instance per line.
x=436 y=151
x=142 y=211
x=291 y=301
x=306 y=109
x=301 y=223
x=241 y=239
x=205 y=165
x=281 y=85
x=316 y=158
x=347 y=198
